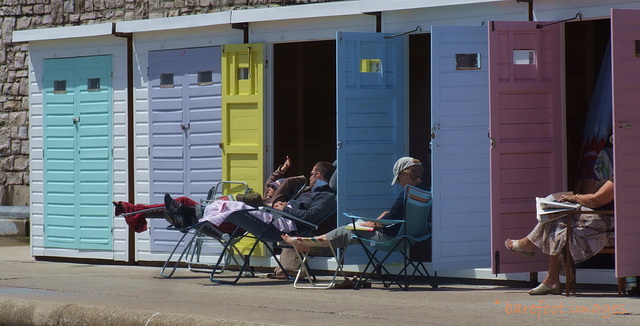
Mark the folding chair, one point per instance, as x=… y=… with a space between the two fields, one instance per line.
x=203 y=232
x=266 y=233
x=414 y=228
x=305 y=272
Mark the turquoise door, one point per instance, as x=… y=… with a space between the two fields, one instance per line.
x=77 y=153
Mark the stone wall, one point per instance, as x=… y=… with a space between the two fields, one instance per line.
x=33 y=14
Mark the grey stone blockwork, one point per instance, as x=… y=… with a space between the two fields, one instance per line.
x=32 y=14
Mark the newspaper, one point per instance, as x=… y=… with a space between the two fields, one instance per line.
x=549 y=208
x=360 y=226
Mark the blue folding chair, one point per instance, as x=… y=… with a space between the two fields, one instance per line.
x=414 y=228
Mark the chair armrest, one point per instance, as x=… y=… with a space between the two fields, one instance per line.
x=276 y=213
x=371 y=219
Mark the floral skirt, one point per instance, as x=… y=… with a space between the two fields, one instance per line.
x=589 y=234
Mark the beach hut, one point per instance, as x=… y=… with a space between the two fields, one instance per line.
x=77 y=114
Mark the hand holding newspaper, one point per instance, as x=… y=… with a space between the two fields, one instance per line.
x=549 y=208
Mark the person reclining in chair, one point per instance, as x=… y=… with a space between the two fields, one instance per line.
x=311 y=206
x=406 y=171
x=276 y=188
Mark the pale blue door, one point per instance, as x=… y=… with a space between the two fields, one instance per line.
x=461 y=212
x=77 y=153
x=370 y=121
x=185 y=115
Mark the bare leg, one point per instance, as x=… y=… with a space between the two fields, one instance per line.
x=553 y=277
x=551 y=283
x=299 y=245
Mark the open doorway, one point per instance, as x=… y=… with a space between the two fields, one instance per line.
x=420 y=102
x=304 y=116
x=586 y=48
x=586 y=45
x=420 y=119
x=304 y=104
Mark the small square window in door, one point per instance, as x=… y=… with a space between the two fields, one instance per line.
x=243 y=73
x=59 y=87
x=369 y=65
x=468 y=61
x=166 y=80
x=205 y=78
x=93 y=84
x=524 y=57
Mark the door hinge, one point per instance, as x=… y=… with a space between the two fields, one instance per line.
x=624 y=125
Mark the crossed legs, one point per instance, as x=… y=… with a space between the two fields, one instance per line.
x=300 y=245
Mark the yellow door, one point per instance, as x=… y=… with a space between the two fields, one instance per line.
x=242 y=114
x=242 y=121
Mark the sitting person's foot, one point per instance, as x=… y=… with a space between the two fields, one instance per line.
x=173 y=211
x=295 y=242
x=515 y=246
x=543 y=289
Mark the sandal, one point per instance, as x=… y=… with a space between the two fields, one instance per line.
x=515 y=247
x=543 y=289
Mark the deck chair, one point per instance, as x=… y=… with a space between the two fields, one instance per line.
x=204 y=232
x=266 y=233
x=414 y=228
x=305 y=273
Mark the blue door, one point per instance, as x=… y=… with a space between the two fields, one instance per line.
x=460 y=147
x=77 y=153
x=185 y=128
x=370 y=121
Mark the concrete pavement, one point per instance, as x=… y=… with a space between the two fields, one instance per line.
x=52 y=293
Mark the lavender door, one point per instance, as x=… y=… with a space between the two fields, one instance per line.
x=185 y=121
x=526 y=132
x=460 y=147
x=625 y=51
x=184 y=129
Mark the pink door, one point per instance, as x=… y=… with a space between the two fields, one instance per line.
x=525 y=80
x=625 y=52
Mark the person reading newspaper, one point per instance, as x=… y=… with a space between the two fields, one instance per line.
x=550 y=208
x=590 y=233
